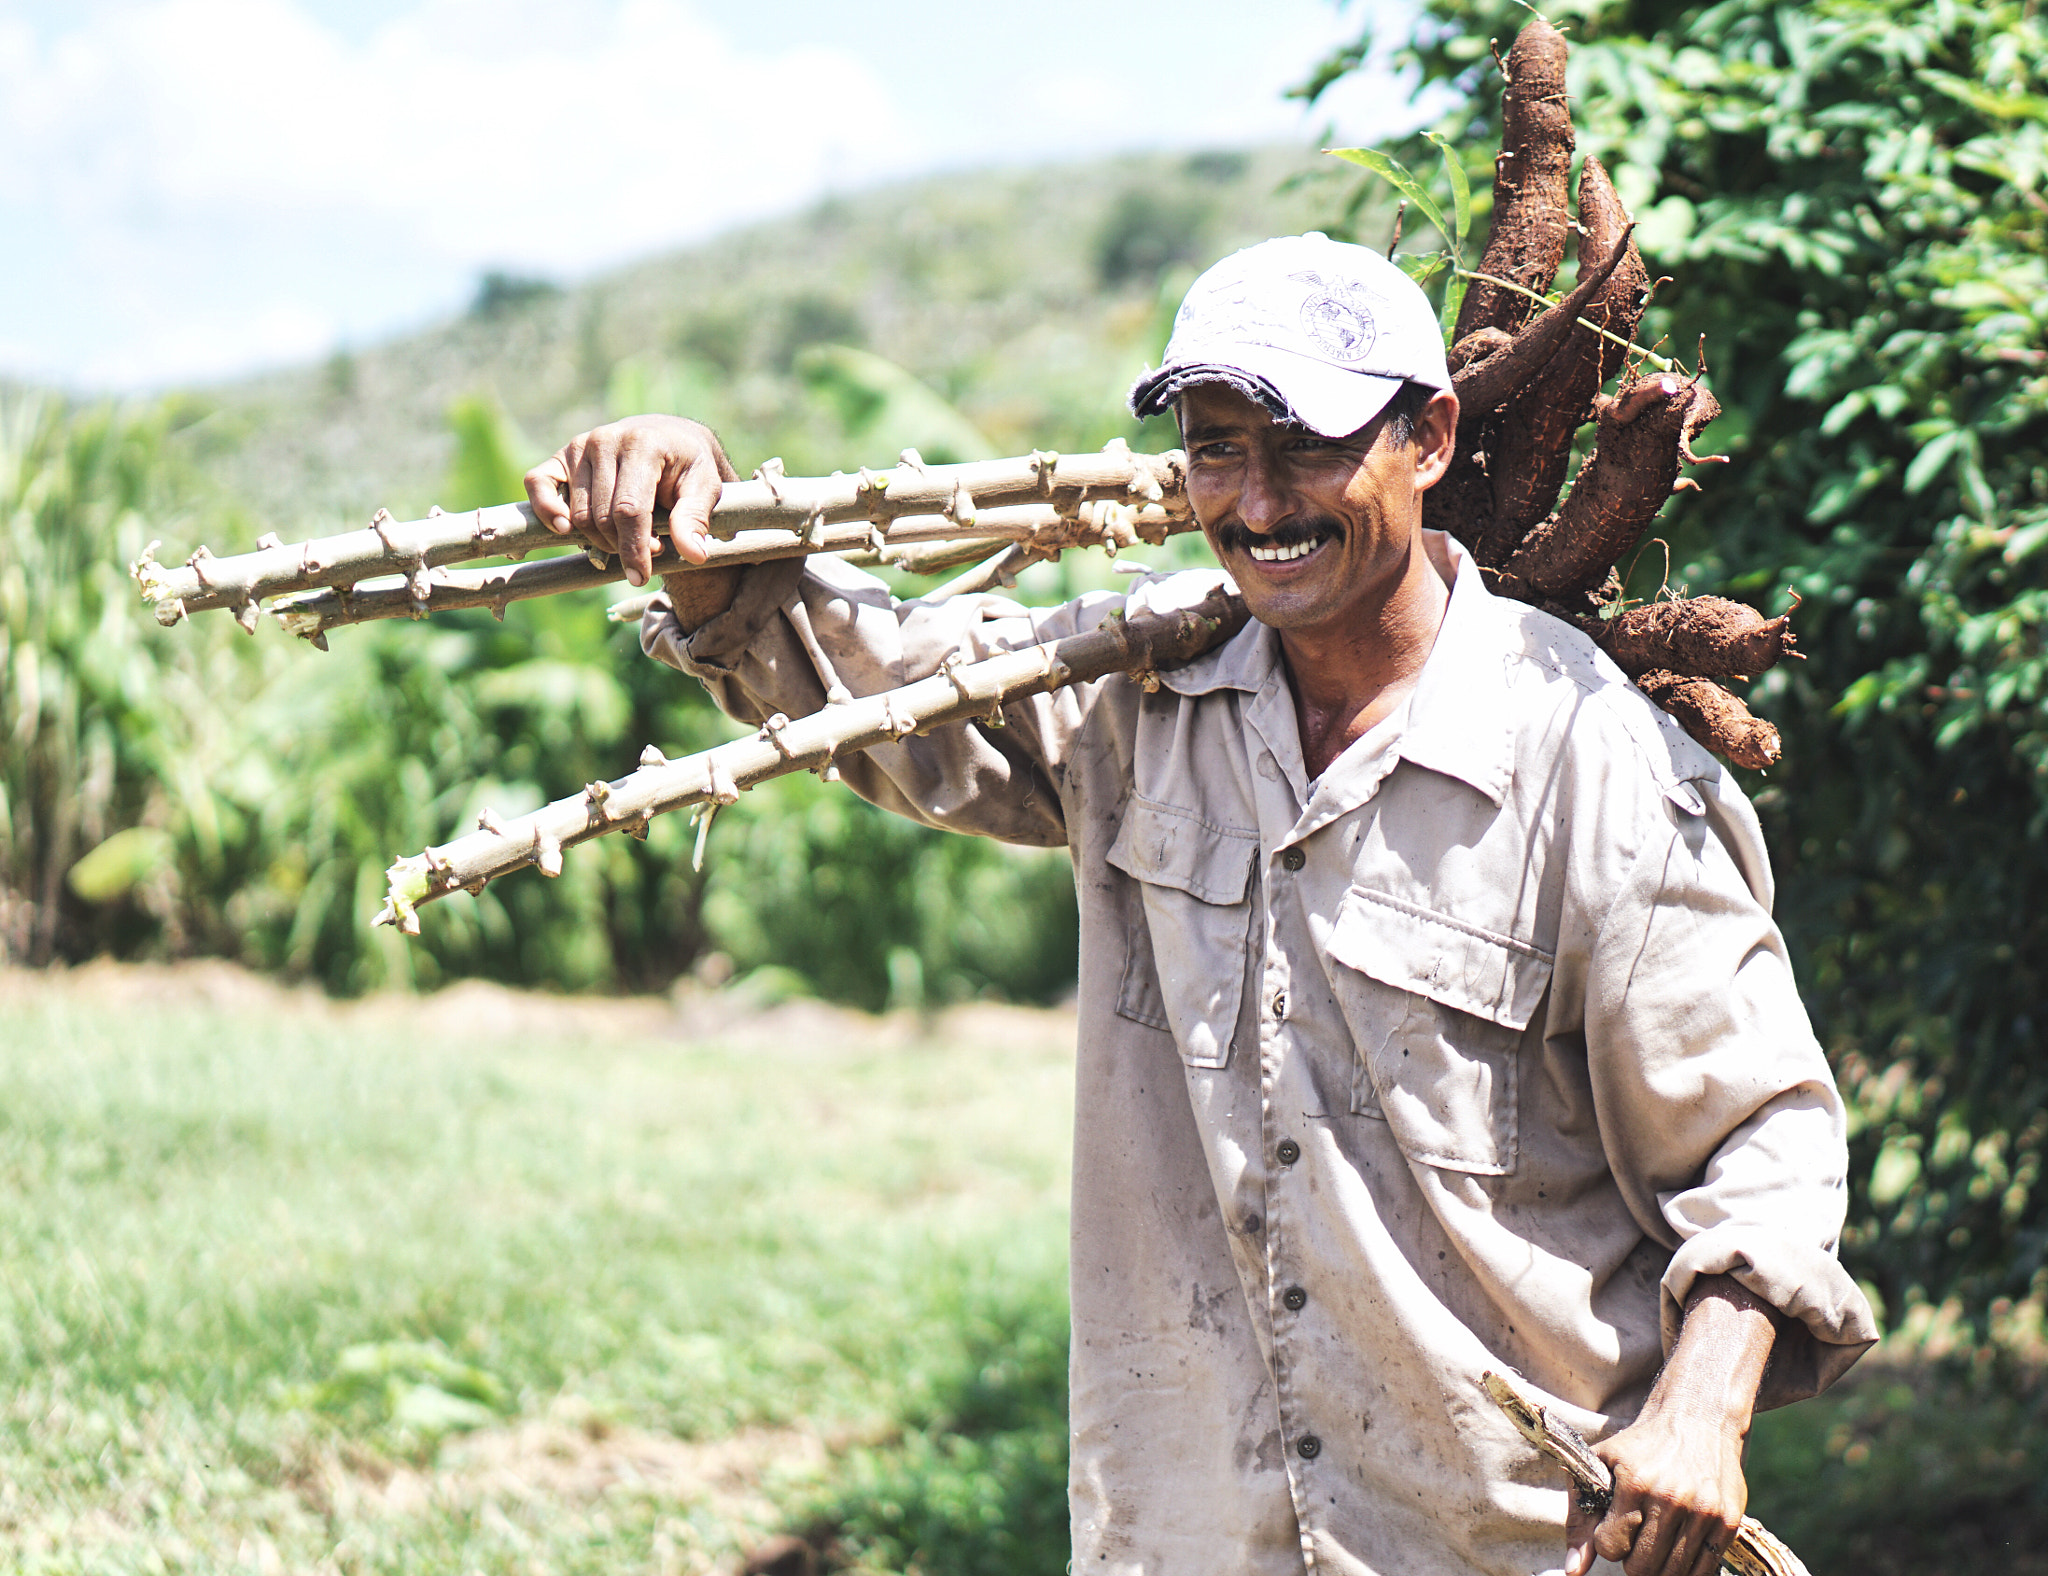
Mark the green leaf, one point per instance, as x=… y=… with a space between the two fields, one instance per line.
x=1461 y=196
x=120 y=864
x=1395 y=174
x=1454 y=301
x=1932 y=460
x=2026 y=541
x=1998 y=106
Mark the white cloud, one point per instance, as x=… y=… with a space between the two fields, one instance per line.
x=195 y=187
x=234 y=164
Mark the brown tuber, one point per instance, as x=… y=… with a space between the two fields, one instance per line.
x=1469 y=352
x=1531 y=181
x=1526 y=385
x=1534 y=444
x=1714 y=717
x=1603 y=223
x=1646 y=431
x=1702 y=636
x=1495 y=368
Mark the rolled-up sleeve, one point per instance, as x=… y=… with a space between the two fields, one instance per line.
x=802 y=633
x=1720 y=1118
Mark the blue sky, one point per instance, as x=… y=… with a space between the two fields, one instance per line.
x=197 y=188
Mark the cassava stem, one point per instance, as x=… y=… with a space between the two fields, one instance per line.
x=959 y=692
x=310 y=614
x=801 y=506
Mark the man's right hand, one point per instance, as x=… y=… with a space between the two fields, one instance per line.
x=607 y=484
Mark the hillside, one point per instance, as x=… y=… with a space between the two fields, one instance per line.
x=1028 y=298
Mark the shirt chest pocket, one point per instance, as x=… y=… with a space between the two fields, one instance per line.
x=1185 y=941
x=1437 y=1010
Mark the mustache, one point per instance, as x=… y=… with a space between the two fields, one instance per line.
x=1233 y=536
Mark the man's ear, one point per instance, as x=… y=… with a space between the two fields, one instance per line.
x=1436 y=438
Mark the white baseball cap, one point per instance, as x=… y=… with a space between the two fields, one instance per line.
x=1317 y=331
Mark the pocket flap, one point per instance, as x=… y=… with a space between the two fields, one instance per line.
x=1490 y=976
x=1163 y=846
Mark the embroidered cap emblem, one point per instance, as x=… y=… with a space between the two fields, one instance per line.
x=1340 y=324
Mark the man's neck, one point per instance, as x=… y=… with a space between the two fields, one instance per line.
x=1349 y=677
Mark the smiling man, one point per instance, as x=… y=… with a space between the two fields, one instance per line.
x=1432 y=1017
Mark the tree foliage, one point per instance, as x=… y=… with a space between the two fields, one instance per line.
x=1850 y=199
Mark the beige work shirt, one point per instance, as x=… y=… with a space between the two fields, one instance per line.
x=1475 y=1051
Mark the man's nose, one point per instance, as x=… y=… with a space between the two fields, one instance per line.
x=1263 y=502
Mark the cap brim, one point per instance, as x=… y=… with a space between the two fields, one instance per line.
x=1325 y=399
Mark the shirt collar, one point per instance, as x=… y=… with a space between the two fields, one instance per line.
x=1458 y=718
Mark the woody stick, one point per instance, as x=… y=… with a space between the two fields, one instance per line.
x=958 y=692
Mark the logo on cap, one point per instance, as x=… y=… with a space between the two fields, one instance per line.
x=1340 y=323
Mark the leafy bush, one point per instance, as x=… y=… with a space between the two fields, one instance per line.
x=190 y=790
x=99 y=714
x=1146 y=233
x=499 y=293
x=1849 y=196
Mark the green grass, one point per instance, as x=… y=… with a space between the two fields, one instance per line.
x=496 y=1283
x=326 y=1288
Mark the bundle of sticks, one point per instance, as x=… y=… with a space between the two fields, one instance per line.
x=920 y=517
x=1529 y=374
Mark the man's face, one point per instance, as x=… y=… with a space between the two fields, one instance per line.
x=1310 y=528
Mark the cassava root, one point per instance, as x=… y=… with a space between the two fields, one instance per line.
x=1716 y=718
x=1646 y=432
x=1533 y=444
x=1531 y=179
x=1701 y=636
x=1527 y=384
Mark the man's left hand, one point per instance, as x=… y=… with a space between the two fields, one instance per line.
x=1679 y=1492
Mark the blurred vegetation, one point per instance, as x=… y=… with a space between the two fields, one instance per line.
x=168 y=792
x=498 y=292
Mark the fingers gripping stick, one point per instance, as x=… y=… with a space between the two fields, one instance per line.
x=1755 y=1552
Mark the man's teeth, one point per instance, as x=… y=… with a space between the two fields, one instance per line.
x=1280 y=555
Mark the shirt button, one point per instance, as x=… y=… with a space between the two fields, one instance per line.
x=1280 y=1004
x=1295 y=1298
x=1252 y=1223
x=1308 y=1447
x=1294 y=859
x=1289 y=1151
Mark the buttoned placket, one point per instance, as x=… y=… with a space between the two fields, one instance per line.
x=1288 y=1139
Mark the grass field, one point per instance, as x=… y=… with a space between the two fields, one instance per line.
x=492 y=1283
x=484 y=1282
